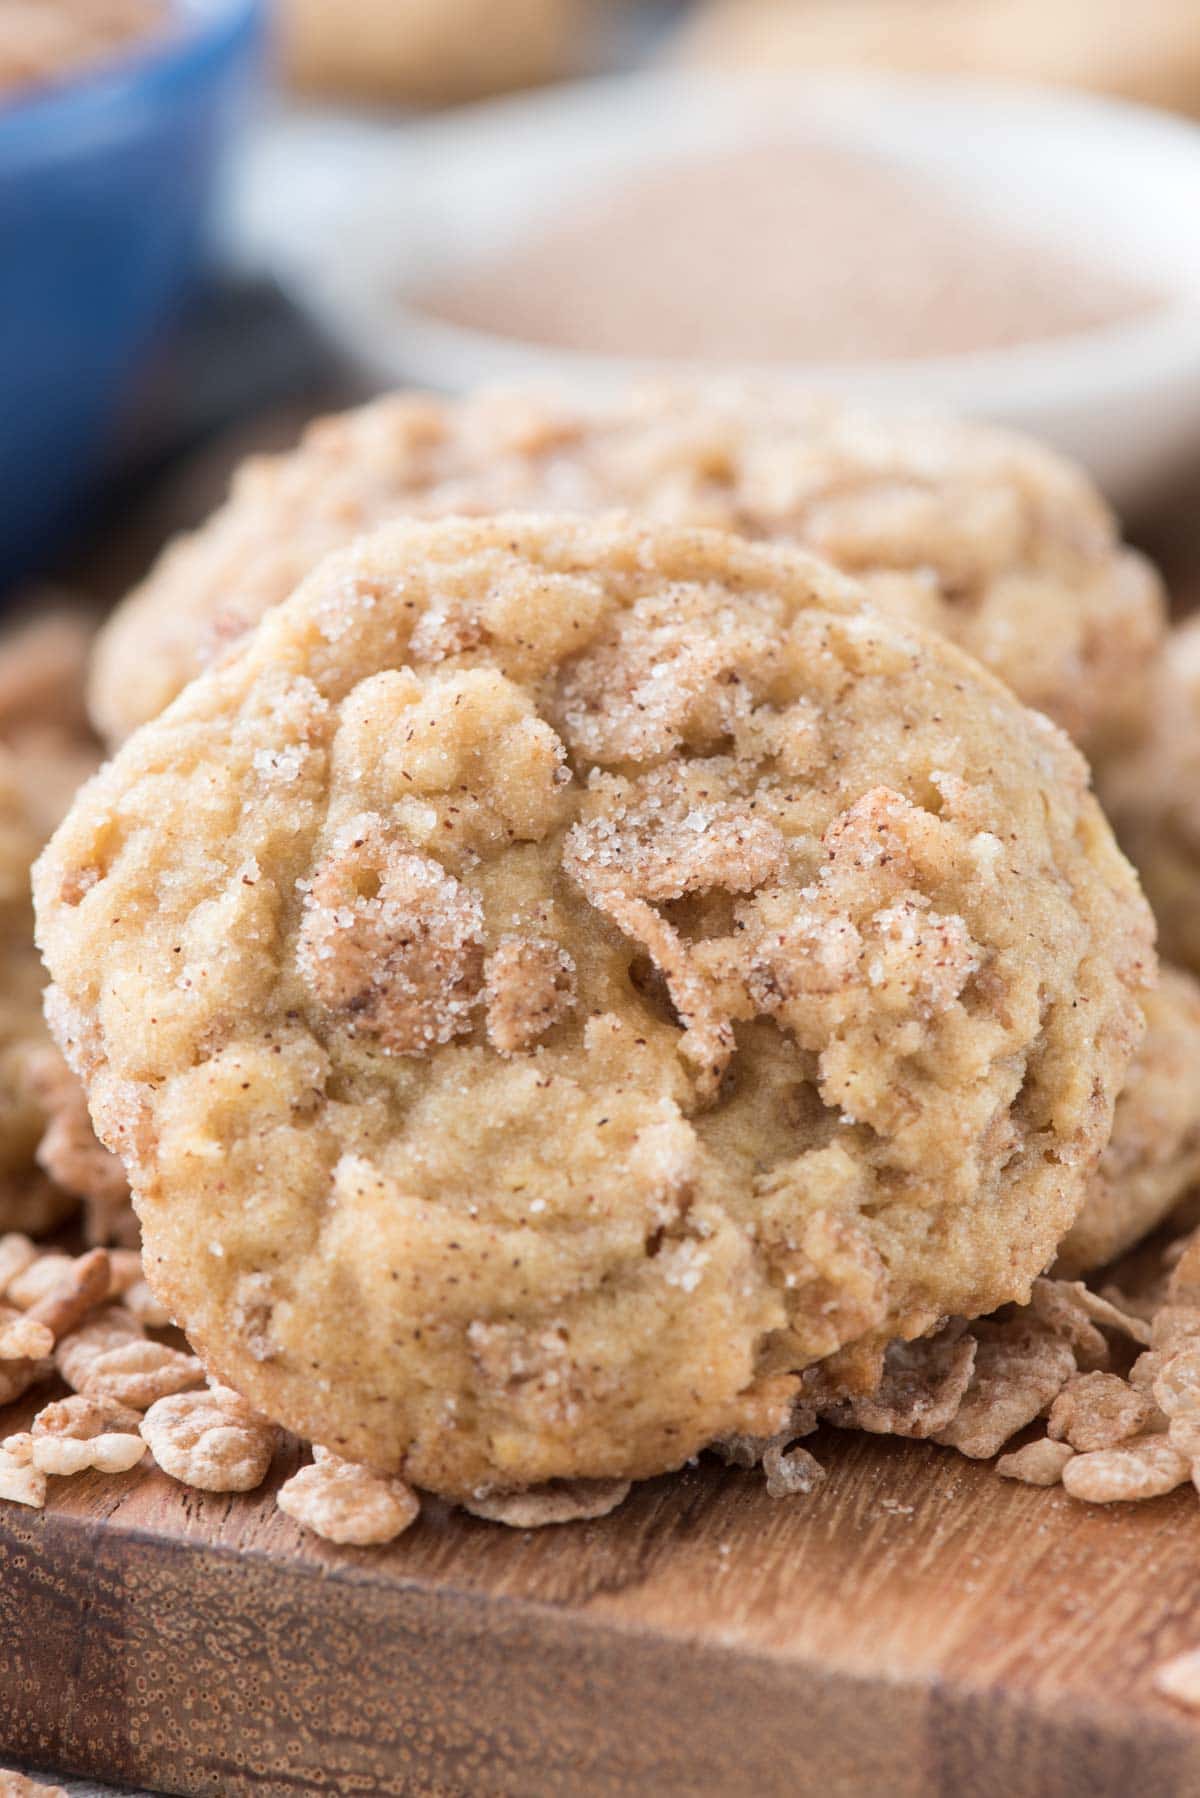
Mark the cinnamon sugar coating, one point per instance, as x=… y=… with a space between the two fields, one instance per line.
x=856 y=977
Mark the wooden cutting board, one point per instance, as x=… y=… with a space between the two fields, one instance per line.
x=917 y=1627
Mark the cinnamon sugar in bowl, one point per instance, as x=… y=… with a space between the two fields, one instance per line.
x=1020 y=255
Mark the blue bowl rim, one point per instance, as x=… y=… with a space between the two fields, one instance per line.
x=199 y=40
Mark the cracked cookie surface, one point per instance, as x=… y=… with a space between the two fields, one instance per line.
x=561 y=977
x=992 y=540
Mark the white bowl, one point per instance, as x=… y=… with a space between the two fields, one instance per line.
x=361 y=217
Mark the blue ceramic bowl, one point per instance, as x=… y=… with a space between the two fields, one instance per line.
x=106 y=184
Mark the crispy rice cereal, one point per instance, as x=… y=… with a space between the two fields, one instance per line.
x=62 y=1455
x=1097 y=1410
x=211 y=1440
x=1153 y=1158
x=84 y=1418
x=21 y=1482
x=1152 y=794
x=348 y=1504
x=984 y=536
x=1037 y=1464
x=1143 y=1469
x=857 y=976
x=110 y=1356
x=72 y=1157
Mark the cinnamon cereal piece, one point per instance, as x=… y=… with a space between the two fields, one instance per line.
x=17 y=1253
x=22 y=1338
x=73 y=1156
x=1145 y=1468
x=529 y=986
x=923 y=1386
x=20 y=1482
x=1183 y=1433
x=17 y=1377
x=98 y=1439
x=1177 y=1383
x=793 y=1473
x=1139 y=1306
x=141 y=1303
x=129 y=1285
x=112 y=1451
x=1174 y=1327
x=211 y=1440
x=1183 y=1257
x=125 y=1270
x=391 y=943
x=561 y=1501
x=83 y=1287
x=348 y=1504
x=1146 y=1368
x=83 y=1417
x=1020 y=1368
x=110 y=1357
x=1039 y=1463
x=1112 y=1311
x=1179 y=1679
x=1061 y=1306
x=38 y=1278
x=1097 y=1410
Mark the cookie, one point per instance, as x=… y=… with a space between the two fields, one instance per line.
x=1150 y=53
x=994 y=541
x=423 y=51
x=29 y=1202
x=1152 y=1161
x=1152 y=794
x=560 y=977
x=46 y=752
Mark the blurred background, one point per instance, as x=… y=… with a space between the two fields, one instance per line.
x=221 y=217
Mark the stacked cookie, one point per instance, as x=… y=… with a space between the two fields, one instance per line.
x=570 y=985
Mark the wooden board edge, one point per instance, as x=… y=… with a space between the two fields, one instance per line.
x=200 y=1670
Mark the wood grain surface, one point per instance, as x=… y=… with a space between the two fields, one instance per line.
x=917 y=1627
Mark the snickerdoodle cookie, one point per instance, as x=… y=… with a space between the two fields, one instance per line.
x=1149 y=53
x=424 y=51
x=994 y=541
x=1152 y=794
x=560 y=977
x=29 y=1202
x=49 y=1158
x=1152 y=1161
